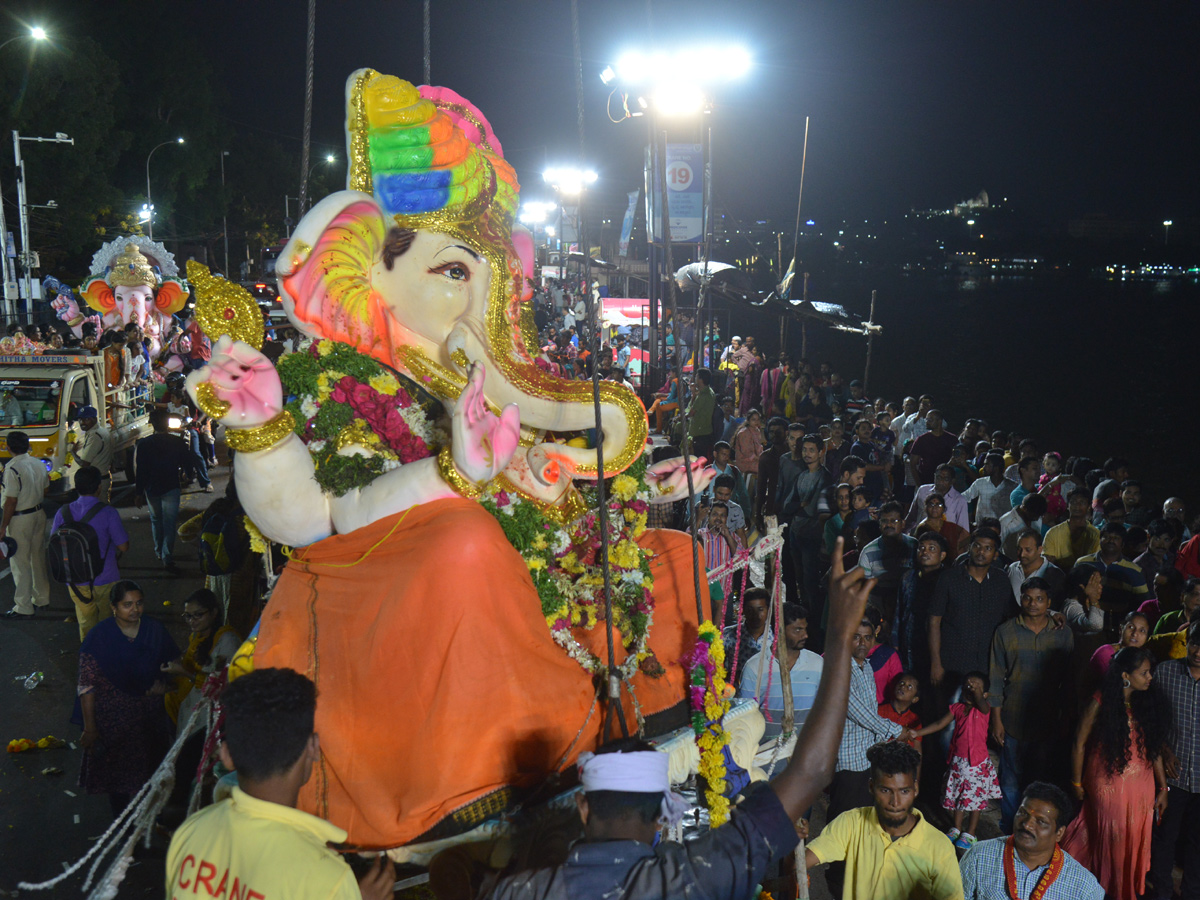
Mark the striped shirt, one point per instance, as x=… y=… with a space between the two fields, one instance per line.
x=864 y=726
x=1183 y=691
x=806 y=677
x=983 y=876
x=1124 y=582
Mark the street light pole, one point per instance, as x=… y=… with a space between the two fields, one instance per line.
x=26 y=257
x=36 y=34
x=1167 y=223
x=287 y=213
x=224 y=212
x=149 y=200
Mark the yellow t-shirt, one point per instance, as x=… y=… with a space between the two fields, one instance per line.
x=1057 y=547
x=922 y=864
x=249 y=849
x=1171 y=645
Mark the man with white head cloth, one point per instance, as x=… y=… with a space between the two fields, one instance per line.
x=626 y=795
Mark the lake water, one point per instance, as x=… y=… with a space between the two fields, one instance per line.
x=1084 y=366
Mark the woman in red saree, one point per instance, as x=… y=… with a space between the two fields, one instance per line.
x=1123 y=785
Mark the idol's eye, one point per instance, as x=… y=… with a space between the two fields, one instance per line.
x=455 y=271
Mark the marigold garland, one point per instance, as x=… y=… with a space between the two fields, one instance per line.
x=564 y=563
x=709 y=695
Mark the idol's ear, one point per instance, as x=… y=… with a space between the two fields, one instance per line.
x=522 y=242
x=324 y=271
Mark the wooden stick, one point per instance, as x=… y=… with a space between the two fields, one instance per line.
x=870 y=342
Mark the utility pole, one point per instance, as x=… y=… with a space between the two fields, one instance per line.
x=9 y=312
x=26 y=257
x=224 y=212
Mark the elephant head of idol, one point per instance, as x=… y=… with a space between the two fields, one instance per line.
x=417 y=264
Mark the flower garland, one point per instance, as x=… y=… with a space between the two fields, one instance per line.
x=1053 y=870
x=709 y=695
x=564 y=563
x=342 y=398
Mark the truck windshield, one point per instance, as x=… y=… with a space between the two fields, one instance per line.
x=29 y=401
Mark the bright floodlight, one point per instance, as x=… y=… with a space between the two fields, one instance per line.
x=693 y=65
x=550 y=230
x=38 y=33
x=1167 y=223
x=330 y=158
x=534 y=212
x=569 y=181
x=679 y=100
x=179 y=140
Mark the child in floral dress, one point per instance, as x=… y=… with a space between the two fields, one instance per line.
x=971 y=780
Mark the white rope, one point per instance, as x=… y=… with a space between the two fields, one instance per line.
x=140 y=814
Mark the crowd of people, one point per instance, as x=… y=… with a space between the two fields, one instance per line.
x=969 y=623
x=1032 y=617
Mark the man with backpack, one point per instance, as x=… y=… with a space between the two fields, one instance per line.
x=87 y=540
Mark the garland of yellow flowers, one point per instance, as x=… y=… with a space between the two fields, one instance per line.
x=709 y=694
x=564 y=564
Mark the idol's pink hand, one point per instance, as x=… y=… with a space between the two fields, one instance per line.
x=66 y=307
x=243 y=378
x=482 y=444
x=668 y=479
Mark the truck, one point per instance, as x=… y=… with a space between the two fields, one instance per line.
x=41 y=395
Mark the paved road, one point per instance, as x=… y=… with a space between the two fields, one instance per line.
x=46 y=820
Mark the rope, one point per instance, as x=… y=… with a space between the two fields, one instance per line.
x=613 y=677
x=308 y=103
x=140 y=815
x=562 y=762
x=379 y=543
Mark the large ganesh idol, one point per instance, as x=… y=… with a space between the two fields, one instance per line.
x=439 y=586
x=133 y=279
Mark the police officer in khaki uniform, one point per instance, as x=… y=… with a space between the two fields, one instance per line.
x=95 y=448
x=25 y=483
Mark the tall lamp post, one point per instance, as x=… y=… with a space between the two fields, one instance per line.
x=328 y=160
x=35 y=34
x=149 y=199
x=27 y=255
x=1167 y=223
x=568 y=181
x=675 y=84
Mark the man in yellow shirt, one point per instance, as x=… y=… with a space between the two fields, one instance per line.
x=1067 y=541
x=889 y=849
x=256 y=845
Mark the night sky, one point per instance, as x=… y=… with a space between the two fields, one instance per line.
x=1065 y=109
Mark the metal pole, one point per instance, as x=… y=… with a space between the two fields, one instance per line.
x=8 y=311
x=224 y=212
x=428 y=77
x=870 y=341
x=799 y=200
x=23 y=219
x=804 y=322
x=308 y=101
x=149 y=201
x=698 y=558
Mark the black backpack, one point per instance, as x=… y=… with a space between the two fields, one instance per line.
x=74 y=554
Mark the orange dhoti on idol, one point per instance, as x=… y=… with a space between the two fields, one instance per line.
x=442 y=698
